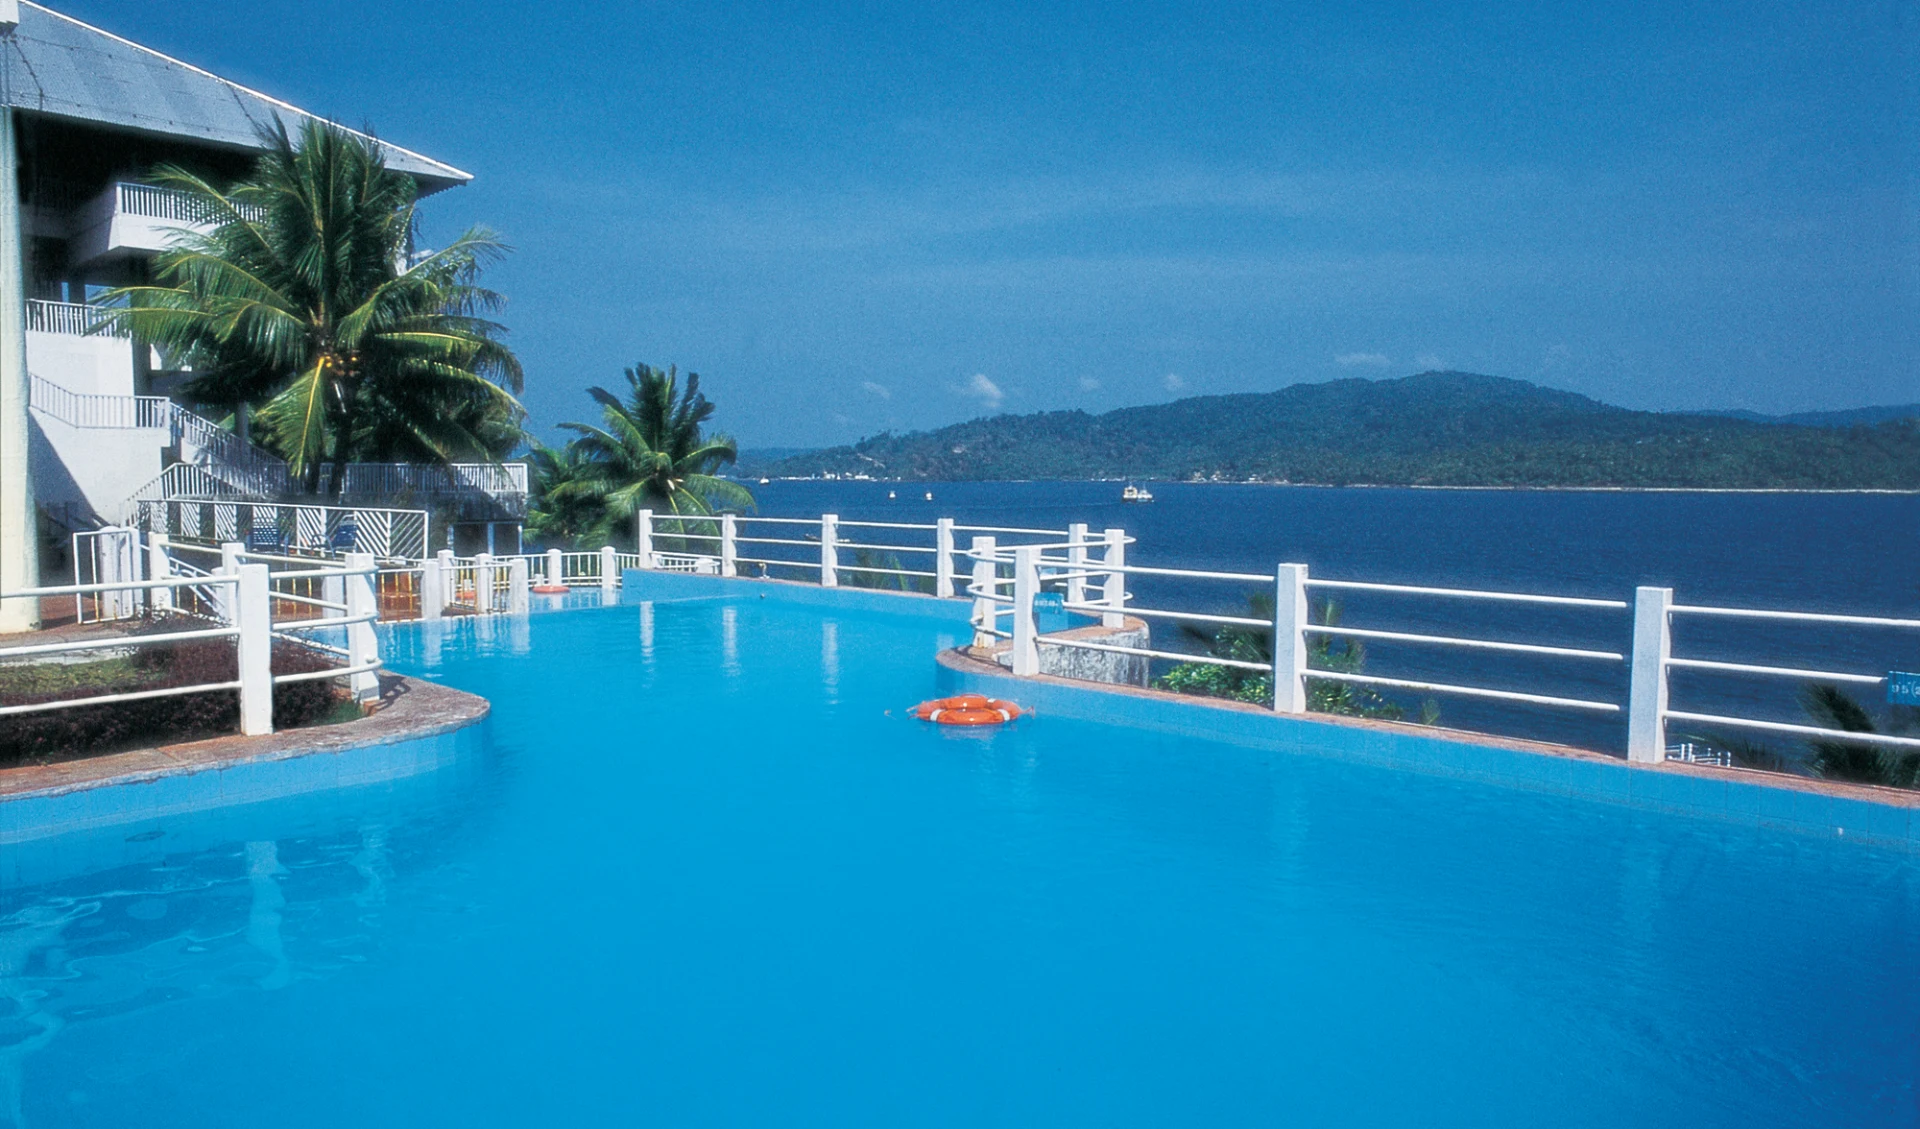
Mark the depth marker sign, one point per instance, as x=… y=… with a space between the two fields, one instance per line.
x=1903 y=689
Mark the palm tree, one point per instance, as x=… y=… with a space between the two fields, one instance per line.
x=651 y=452
x=295 y=294
x=568 y=506
x=1861 y=762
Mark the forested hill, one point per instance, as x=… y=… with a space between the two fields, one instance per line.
x=1437 y=428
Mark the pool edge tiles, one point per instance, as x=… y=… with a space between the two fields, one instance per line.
x=425 y=727
x=1882 y=816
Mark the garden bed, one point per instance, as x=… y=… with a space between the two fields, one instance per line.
x=82 y=731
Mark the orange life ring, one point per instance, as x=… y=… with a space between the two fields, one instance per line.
x=550 y=589
x=968 y=709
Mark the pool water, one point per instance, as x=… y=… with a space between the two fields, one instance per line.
x=703 y=871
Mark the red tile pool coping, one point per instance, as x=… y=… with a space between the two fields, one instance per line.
x=1888 y=816
x=408 y=710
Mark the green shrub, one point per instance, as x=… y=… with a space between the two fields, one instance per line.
x=90 y=730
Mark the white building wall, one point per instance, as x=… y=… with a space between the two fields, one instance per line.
x=97 y=366
x=93 y=470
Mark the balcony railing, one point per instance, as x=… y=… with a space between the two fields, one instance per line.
x=76 y=319
x=459 y=478
x=149 y=202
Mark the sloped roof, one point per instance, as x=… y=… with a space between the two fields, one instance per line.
x=57 y=65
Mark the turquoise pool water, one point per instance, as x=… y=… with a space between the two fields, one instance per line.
x=701 y=871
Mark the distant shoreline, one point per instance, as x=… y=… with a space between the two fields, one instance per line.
x=1361 y=486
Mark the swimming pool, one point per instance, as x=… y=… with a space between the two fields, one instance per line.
x=701 y=871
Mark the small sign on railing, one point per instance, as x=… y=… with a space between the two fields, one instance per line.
x=1903 y=688
x=1049 y=602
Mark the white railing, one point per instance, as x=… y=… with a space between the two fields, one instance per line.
x=290 y=527
x=84 y=409
x=830 y=550
x=151 y=202
x=216 y=463
x=1289 y=629
x=75 y=319
x=493 y=479
x=151 y=579
x=1007 y=584
x=1654 y=661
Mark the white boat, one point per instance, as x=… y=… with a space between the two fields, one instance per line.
x=1135 y=494
x=764 y=481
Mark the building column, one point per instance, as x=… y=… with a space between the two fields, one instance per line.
x=19 y=528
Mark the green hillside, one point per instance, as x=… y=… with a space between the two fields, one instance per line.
x=1437 y=428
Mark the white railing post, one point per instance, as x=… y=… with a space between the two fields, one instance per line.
x=363 y=643
x=609 y=570
x=1026 y=582
x=449 y=577
x=517 y=586
x=643 y=537
x=1115 y=595
x=1647 y=698
x=333 y=589
x=829 y=550
x=113 y=559
x=159 y=567
x=224 y=594
x=985 y=572
x=943 y=558
x=1077 y=563
x=483 y=583
x=556 y=568
x=1290 y=638
x=729 y=550
x=253 y=615
x=433 y=587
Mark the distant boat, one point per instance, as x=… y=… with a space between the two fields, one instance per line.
x=764 y=481
x=929 y=495
x=891 y=495
x=1135 y=494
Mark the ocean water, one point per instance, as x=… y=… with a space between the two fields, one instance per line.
x=1849 y=553
x=703 y=872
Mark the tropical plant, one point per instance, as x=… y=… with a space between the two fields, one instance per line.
x=567 y=503
x=860 y=573
x=1255 y=645
x=295 y=295
x=651 y=451
x=1862 y=763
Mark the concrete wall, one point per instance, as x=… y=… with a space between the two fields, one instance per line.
x=94 y=470
x=96 y=366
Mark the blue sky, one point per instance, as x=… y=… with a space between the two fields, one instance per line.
x=856 y=217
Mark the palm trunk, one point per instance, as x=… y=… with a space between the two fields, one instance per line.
x=342 y=441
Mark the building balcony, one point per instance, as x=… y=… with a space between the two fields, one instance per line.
x=69 y=319
x=135 y=220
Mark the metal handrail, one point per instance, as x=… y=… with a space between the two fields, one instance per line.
x=1778 y=671
x=1468 y=593
x=1794 y=617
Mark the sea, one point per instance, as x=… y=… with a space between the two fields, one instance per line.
x=1850 y=553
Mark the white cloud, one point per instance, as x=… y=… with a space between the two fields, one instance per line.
x=1175 y=382
x=1430 y=362
x=984 y=390
x=1358 y=360
x=879 y=390
x=1089 y=384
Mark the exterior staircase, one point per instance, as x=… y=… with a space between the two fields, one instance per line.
x=198 y=460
